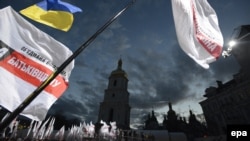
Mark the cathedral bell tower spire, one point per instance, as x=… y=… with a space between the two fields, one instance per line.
x=119 y=66
x=115 y=106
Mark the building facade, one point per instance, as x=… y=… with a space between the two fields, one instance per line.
x=226 y=104
x=229 y=102
x=115 y=106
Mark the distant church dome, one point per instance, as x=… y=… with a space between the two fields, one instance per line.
x=171 y=113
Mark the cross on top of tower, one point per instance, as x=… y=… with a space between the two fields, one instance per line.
x=119 y=67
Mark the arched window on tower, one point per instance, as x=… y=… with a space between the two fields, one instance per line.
x=111 y=113
x=115 y=82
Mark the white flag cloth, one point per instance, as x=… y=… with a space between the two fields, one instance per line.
x=60 y=134
x=27 y=57
x=197 y=30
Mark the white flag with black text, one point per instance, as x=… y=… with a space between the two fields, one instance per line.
x=197 y=30
x=27 y=57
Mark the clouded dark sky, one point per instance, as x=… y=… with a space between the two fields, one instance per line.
x=144 y=37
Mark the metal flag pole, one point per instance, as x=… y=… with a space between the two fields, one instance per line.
x=39 y=89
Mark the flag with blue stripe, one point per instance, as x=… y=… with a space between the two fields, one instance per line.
x=53 y=13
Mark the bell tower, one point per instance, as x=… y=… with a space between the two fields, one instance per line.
x=115 y=106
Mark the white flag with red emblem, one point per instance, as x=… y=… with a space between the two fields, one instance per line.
x=27 y=57
x=197 y=30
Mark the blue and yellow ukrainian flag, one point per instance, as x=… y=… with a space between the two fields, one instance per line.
x=54 y=13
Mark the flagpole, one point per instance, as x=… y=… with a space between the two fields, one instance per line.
x=39 y=89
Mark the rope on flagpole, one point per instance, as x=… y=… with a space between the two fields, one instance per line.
x=39 y=89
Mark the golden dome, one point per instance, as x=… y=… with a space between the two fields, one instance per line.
x=119 y=71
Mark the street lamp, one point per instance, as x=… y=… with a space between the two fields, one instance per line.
x=238 y=35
